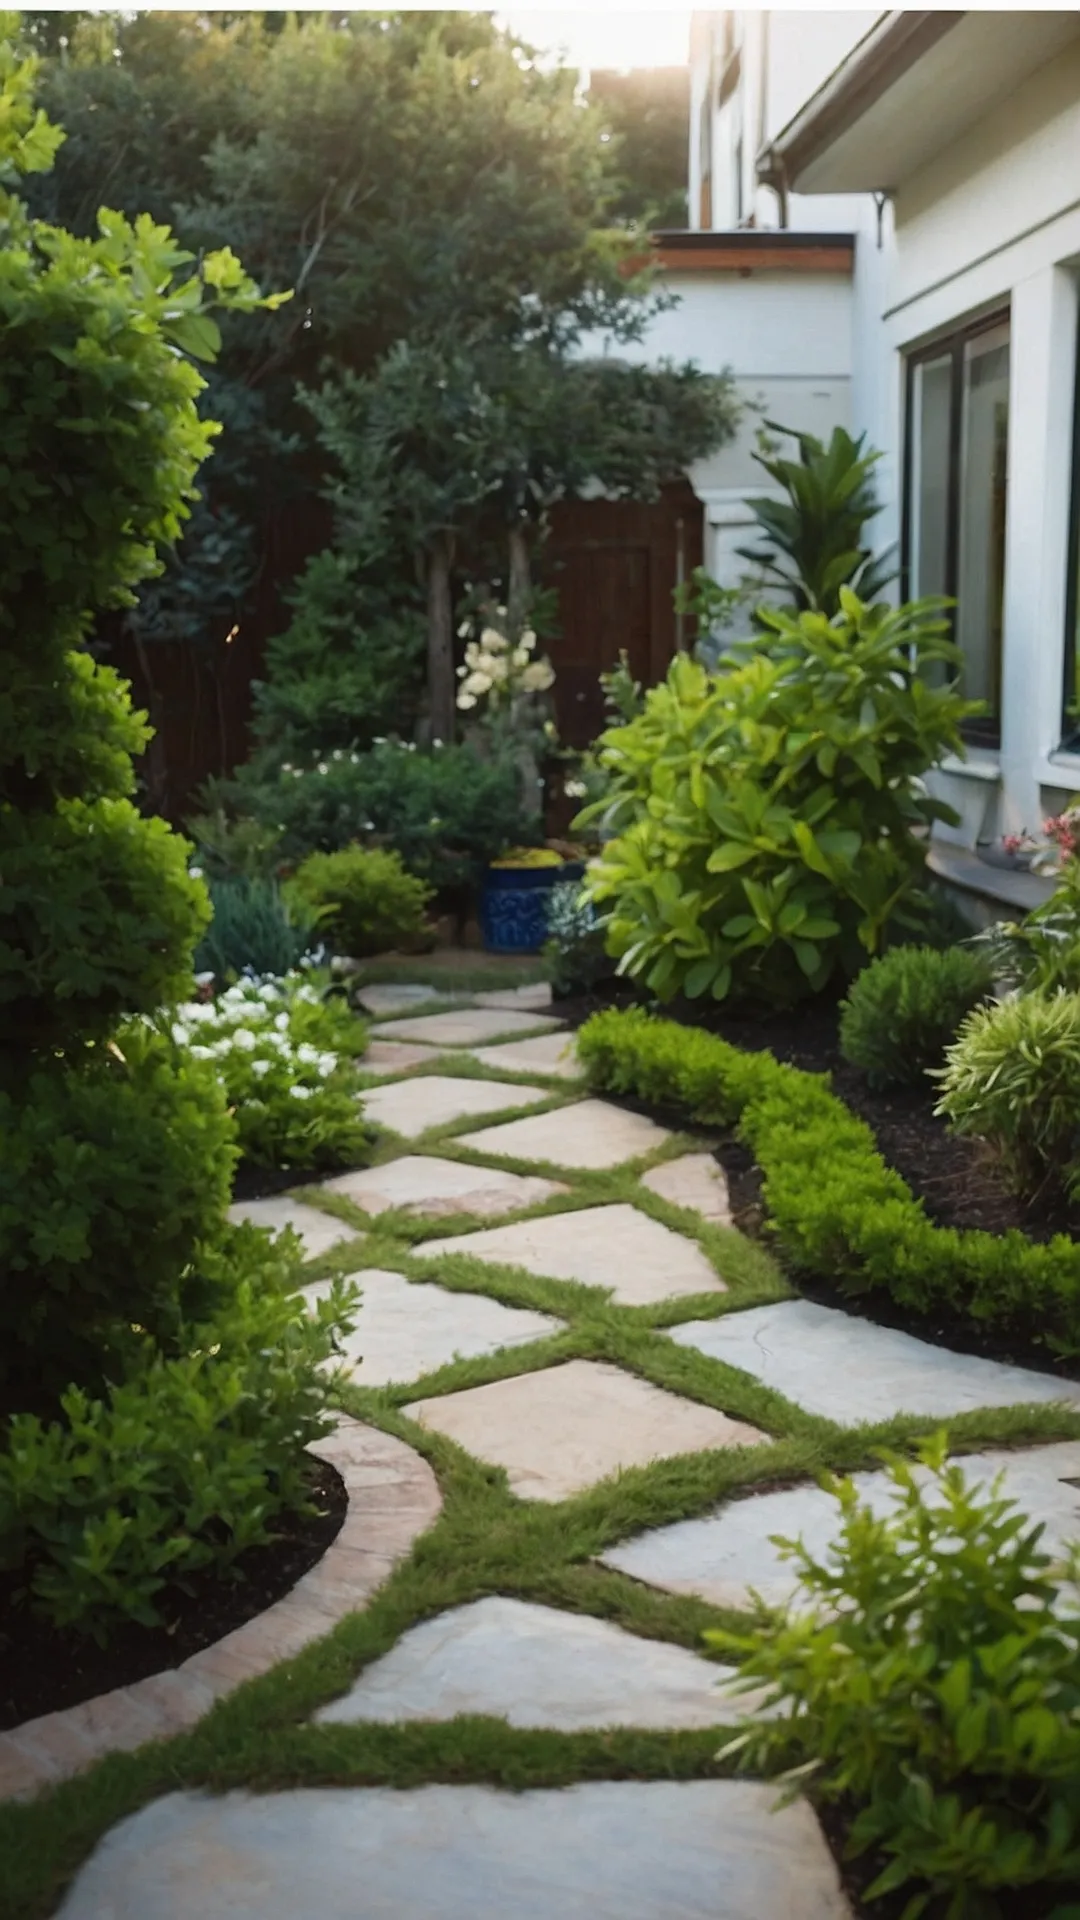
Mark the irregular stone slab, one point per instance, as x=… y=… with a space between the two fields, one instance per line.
x=615 y=1247
x=410 y=1107
x=726 y=1555
x=406 y=1330
x=465 y=1027
x=535 y=1667
x=393 y=1497
x=397 y=1056
x=532 y=999
x=591 y=1134
x=696 y=1181
x=849 y=1370
x=558 y=1431
x=420 y=1183
x=552 y=1053
x=386 y=1000
x=608 y=1850
x=318 y=1231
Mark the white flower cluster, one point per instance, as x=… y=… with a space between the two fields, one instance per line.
x=248 y=1027
x=498 y=670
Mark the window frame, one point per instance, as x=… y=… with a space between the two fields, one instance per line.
x=1069 y=730
x=982 y=730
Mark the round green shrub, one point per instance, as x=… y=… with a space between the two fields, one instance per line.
x=902 y=1011
x=1012 y=1076
x=115 y=1155
x=114 y=1171
x=366 y=899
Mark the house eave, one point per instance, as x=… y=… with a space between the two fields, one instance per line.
x=911 y=87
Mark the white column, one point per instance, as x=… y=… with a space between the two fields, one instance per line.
x=1042 y=382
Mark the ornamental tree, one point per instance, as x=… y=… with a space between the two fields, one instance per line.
x=114 y=1156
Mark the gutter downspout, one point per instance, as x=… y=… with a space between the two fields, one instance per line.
x=772 y=172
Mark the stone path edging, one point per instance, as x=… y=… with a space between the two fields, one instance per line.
x=393 y=1497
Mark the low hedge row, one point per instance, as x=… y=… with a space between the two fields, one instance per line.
x=836 y=1208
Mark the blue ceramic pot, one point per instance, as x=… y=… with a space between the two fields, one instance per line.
x=514 y=905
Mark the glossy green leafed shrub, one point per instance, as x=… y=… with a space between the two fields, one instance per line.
x=365 y=899
x=1041 y=952
x=764 y=814
x=1012 y=1076
x=834 y=1206
x=286 y=1061
x=927 y=1672
x=902 y=1011
x=185 y=1464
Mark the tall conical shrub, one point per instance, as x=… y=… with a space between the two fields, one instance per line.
x=115 y=1156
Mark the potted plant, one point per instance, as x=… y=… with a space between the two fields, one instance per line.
x=506 y=685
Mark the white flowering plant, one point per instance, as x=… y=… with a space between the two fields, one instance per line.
x=501 y=670
x=287 y=1057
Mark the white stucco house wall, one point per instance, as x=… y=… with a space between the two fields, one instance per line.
x=966 y=126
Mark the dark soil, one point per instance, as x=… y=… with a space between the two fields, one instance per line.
x=42 y=1670
x=956 y=1179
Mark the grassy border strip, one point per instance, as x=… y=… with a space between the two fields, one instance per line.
x=834 y=1205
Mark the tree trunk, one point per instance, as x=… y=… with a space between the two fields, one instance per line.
x=519 y=587
x=440 y=625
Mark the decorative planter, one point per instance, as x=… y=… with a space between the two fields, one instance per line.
x=514 y=905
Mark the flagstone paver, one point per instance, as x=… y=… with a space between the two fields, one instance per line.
x=613 y=1246
x=405 y=1330
x=420 y=1183
x=590 y=1133
x=696 y=1181
x=410 y=1107
x=546 y=1053
x=530 y=999
x=725 y=1555
x=464 y=1026
x=318 y=1231
x=850 y=1370
x=558 y=1431
x=397 y=1056
x=385 y=999
x=536 y=1667
x=608 y=1850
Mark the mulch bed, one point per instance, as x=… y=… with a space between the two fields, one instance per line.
x=957 y=1179
x=42 y=1670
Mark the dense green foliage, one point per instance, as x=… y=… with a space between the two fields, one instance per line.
x=115 y=1156
x=928 y=1671
x=814 y=540
x=1012 y=1076
x=255 y=927
x=836 y=1209
x=448 y=210
x=575 y=956
x=365 y=898
x=902 y=1011
x=184 y=1464
x=285 y=1057
x=647 y=109
x=447 y=813
x=764 y=814
x=1042 y=951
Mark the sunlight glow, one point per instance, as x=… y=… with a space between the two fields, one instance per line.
x=606 y=37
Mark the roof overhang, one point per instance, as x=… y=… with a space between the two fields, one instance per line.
x=912 y=86
x=747 y=250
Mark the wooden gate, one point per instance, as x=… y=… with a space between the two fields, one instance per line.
x=615 y=564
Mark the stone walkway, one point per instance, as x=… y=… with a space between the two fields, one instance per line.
x=559 y=1424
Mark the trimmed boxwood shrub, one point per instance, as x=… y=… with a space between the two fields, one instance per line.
x=834 y=1205
x=902 y=1011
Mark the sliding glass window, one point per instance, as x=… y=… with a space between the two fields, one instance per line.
x=954 y=521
